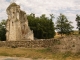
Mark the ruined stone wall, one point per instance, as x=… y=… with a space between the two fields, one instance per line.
x=17 y=24
x=28 y=44
x=66 y=44
x=70 y=43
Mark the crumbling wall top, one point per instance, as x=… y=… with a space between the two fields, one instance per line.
x=13 y=5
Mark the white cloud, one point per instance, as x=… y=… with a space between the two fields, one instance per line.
x=68 y=7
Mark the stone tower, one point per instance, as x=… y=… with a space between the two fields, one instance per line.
x=17 y=24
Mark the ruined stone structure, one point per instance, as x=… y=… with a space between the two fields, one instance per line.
x=66 y=44
x=17 y=24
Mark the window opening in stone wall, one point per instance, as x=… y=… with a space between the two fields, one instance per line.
x=12 y=23
x=24 y=18
x=13 y=12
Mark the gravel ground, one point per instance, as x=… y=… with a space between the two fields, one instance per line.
x=18 y=58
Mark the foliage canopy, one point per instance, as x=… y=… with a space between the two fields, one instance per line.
x=42 y=26
x=78 y=22
x=2 y=30
x=63 y=26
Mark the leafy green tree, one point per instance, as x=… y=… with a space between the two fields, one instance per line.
x=2 y=30
x=78 y=22
x=42 y=26
x=63 y=26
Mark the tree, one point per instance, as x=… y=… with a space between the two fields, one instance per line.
x=63 y=26
x=78 y=22
x=42 y=26
x=2 y=30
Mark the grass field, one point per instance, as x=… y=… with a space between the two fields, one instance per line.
x=37 y=53
x=75 y=33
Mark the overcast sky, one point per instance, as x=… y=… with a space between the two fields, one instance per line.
x=67 y=7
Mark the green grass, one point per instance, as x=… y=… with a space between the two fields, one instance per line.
x=4 y=54
x=43 y=53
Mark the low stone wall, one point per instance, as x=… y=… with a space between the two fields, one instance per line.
x=68 y=44
x=65 y=44
x=29 y=44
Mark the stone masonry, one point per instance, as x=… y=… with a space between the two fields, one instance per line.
x=17 y=24
x=61 y=45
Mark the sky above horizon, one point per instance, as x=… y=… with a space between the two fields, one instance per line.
x=67 y=7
